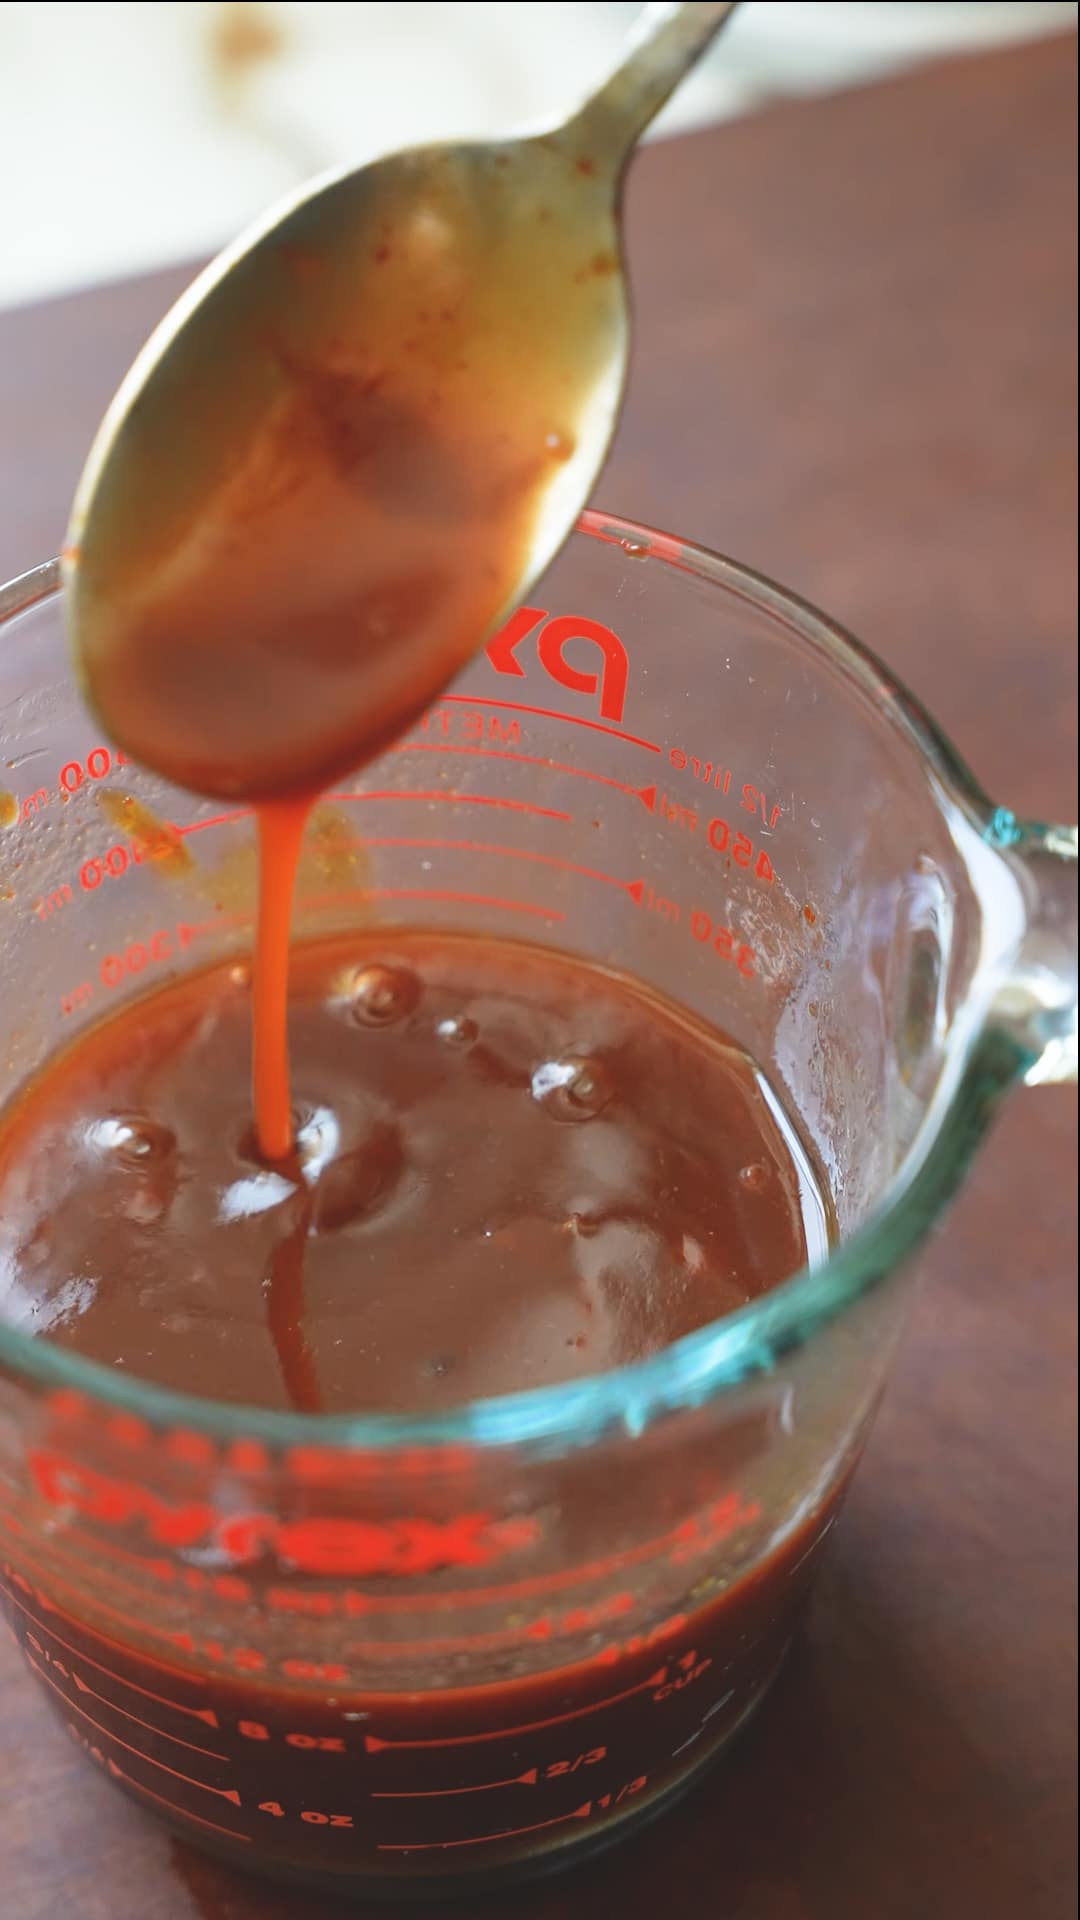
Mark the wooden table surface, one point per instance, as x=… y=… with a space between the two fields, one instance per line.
x=856 y=371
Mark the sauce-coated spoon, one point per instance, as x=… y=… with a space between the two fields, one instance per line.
x=355 y=441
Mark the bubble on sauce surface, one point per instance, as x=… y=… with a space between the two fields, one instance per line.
x=755 y=1178
x=581 y=1226
x=378 y=995
x=458 y=1031
x=576 y=1086
x=132 y=1140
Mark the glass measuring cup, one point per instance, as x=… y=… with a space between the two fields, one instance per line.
x=409 y=1653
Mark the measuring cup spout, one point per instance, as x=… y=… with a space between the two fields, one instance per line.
x=1036 y=1004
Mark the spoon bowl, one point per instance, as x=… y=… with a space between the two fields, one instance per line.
x=426 y=354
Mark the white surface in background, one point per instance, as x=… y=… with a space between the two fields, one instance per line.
x=122 y=147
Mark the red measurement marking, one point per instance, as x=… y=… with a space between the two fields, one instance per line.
x=99 y=762
x=222 y=1793
x=459 y=799
x=755 y=800
x=752 y=799
x=579 y=1620
x=556 y=1768
x=373 y=1744
x=528 y=1779
x=217 y=820
x=482 y=1839
x=710 y=775
x=740 y=849
x=392 y=793
x=315 y=900
x=115 y=862
x=522 y=759
x=174 y=1805
x=693 y=1668
x=206 y=1714
x=83 y=1687
x=700 y=926
x=155 y=1569
x=54 y=902
x=723 y=941
x=632 y=1786
x=161 y=945
x=552 y=713
x=511 y=853
x=252 y=1662
x=542 y=1583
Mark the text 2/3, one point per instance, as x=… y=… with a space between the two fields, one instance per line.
x=558 y=1768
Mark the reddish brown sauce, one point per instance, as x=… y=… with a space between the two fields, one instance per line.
x=511 y=1169
x=329 y=1783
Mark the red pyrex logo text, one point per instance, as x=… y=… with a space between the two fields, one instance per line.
x=331 y=1547
x=607 y=682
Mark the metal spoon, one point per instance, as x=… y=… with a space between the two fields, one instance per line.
x=354 y=443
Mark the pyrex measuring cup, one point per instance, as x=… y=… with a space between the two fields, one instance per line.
x=382 y=1651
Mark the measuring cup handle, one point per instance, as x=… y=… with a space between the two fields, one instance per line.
x=665 y=42
x=1037 y=1003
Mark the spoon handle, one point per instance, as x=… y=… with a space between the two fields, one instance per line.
x=666 y=41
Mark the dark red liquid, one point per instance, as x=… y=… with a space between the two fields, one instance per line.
x=449 y=1784
x=512 y=1170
